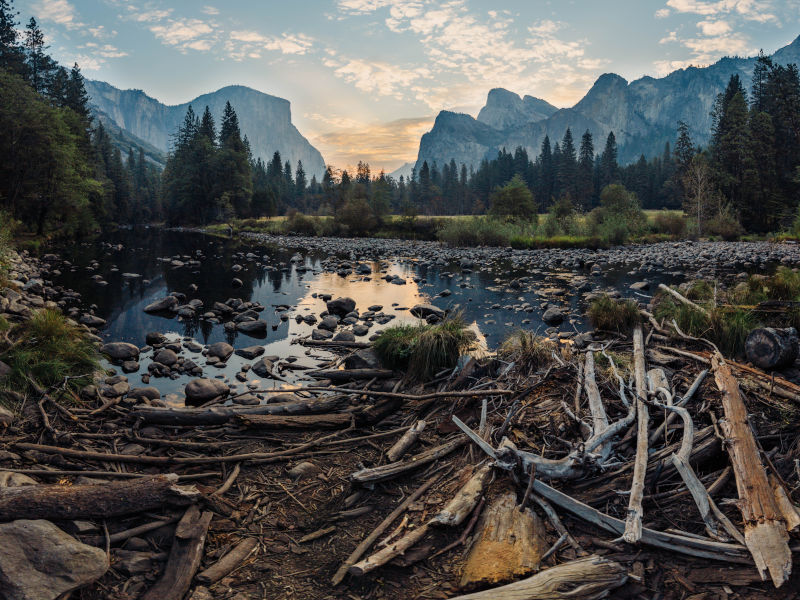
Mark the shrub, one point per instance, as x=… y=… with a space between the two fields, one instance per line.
x=528 y=350
x=424 y=349
x=513 y=201
x=724 y=224
x=670 y=223
x=610 y=314
x=477 y=231
x=299 y=224
x=356 y=217
x=784 y=284
x=619 y=215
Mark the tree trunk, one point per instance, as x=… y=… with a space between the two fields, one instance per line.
x=324 y=421
x=769 y=348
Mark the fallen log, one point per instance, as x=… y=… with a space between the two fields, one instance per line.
x=683 y=299
x=391 y=470
x=184 y=557
x=404 y=444
x=509 y=544
x=583 y=579
x=351 y=374
x=219 y=415
x=596 y=408
x=465 y=501
x=633 y=524
x=57 y=502
x=229 y=562
x=321 y=421
x=771 y=348
x=389 y=552
x=764 y=526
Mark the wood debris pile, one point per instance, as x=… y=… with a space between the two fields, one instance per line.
x=647 y=467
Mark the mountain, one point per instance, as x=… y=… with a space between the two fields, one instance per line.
x=404 y=171
x=265 y=120
x=643 y=114
x=125 y=140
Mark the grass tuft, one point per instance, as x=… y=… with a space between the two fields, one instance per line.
x=528 y=350
x=610 y=314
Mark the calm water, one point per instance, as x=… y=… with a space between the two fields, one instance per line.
x=272 y=279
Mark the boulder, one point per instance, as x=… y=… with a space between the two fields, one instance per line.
x=422 y=311
x=149 y=393
x=640 y=286
x=91 y=321
x=199 y=391
x=258 y=327
x=165 y=356
x=262 y=368
x=162 y=305
x=360 y=330
x=341 y=306
x=38 y=561
x=221 y=350
x=120 y=351
x=330 y=323
x=363 y=359
x=250 y=352
x=155 y=338
x=344 y=336
x=553 y=316
x=321 y=335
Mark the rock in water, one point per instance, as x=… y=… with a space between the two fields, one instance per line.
x=423 y=310
x=262 y=368
x=258 y=327
x=363 y=359
x=199 y=391
x=553 y=316
x=38 y=561
x=221 y=350
x=162 y=305
x=341 y=306
x=120 y=351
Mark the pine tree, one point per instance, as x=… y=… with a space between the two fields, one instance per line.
x=585 y=185
x=609 y=168
x=11 y=56
x=568 y=167
x=207 y=127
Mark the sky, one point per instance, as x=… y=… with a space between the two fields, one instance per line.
x=366 y=78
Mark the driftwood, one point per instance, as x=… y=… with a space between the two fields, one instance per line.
x=683 y=299
x=633 y=524
x=229 y=562
x=389 y=552
x=406 y=441
x=391 y=470
x=764 y=528
x=509 y=543
x=598 y=411
x=351 y=374
x=583 y=579
x=466 y=499
x=46 y=501
x=283 y=422
x=184 y=557
x=661 y=429
x=771 y=348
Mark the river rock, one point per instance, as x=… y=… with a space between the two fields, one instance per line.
x=202 y=390
x=363 y=359
x=150 y=393
x=258 y=327
x=120 y=351
x=250 y=352
x=422 y=311
x=330 y=323
x=321 y=335
x=640 y=286
x=155 y=338
x=263 y=367
x=165 y=356
x=162 y=305
x=553 y=316
x=344 y=336
x=221 y=350
x=360 y=330
x=92 y=321
x=38 y=561
x=341 y=306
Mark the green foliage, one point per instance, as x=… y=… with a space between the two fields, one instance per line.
x=424 y=349
x=784 y=284
x=724 y=224
x=513 y=201
x=561 y=218
x=478 y=231
x=356 y=217
x=49 y=349
x=673 y=224
x=619 y=216
x=610 y=314
x=528 y=350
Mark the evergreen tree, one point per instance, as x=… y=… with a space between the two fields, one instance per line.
x=609 y=168
x=585 y=183
x=11 y=56
x=568 y=167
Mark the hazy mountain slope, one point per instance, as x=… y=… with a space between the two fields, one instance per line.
x=265 y=119
x=642 y=114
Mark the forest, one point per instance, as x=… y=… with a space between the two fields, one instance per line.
x=61 y=174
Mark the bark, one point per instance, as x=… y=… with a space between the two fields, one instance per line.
x=633 y=524
x=394 y=469
x=229 y=562
x=770 y=348
x=322 y=421
x=405 y=443
x=465 y=501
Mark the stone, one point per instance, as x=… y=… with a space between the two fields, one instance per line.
x=321 y=335
x=363 y=359
x=130 y=366
x=236 y=282
x=258 y=327
x=360 y=330
x=263 y=367
x=34 y=286
x=9 y=479
x=39 y=561
x=640 y=285
x=120 y=351
x=91 y=321
x=553 y=316
x=250 y=352
x=6 y=417
x=247 y=400
x=199 y=391
x=422 y=311
x=330 y=323
x=5 y=370
x=162 y=305
x=165 y=356
x=221 y=350
x=341 y=306
x=155 y=338
x=150 y=393
x=344 y=336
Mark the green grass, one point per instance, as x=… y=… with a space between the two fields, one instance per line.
x=610 y=314
x=47 y=348
x=528 y=350
x=424 y=350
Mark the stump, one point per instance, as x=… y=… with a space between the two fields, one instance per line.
x=770 y=348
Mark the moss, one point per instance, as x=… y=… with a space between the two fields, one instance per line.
x=610 y=314
x=424 y=350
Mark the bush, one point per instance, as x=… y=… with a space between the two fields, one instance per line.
x=424 y=349
x=670 y=223
x=784 y=285
x=477 y=231
x=513 y=201
x=725 y=224
x=619 y=216
x=299 y=224
x=610 y=314
x=528 y=350
x=356 y=217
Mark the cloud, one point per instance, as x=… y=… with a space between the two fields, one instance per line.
x=662 y=13
x=375 y=77
x=752 y=10
x=191 y=34
x=714 y=28
x=243 y=44
x=665 y=67
x=211 y=10
x=58 y=11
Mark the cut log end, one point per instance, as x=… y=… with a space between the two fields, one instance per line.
x=770 y=348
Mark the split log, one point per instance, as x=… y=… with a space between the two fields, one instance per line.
x=789 y=510
x=219 y=415
x=583 y=579
x=764 y=526
x=770 y=348
x=404 y=444
x=465 y=501
x=599 y=418
x=509 y=544
x=351 y=374
x=48 y=501
x=184 y=557
x=321 y=421
x=389 y=552
x=683 y=299
x=229 y=562
x=391 y=470
x=633 y=524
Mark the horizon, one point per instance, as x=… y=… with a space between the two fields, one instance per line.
x=423 y=56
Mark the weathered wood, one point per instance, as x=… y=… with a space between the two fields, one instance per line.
x=771 y=348
x=184 y=557
x=598 y=411
x=218 y=415
x=583 y=579
x=321 y=421
x=389 y=552
x=509 y=544
x=351 y=374
x=404 y=444
x=764 y=527
x=683 y=299
x=466 y=499
x=685 y=399
x=633 y=523
x=52 y=501
x=229 y=562
x=391 y=470
x=789 y=510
